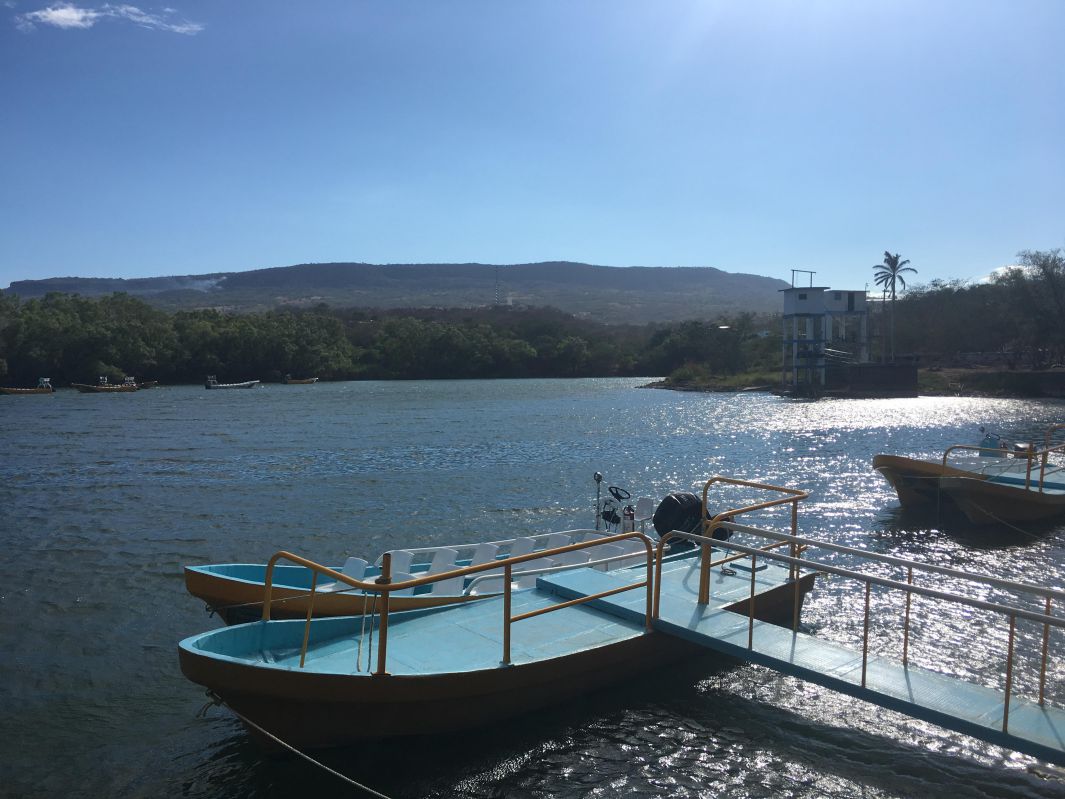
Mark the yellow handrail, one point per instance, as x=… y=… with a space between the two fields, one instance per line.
x=908 y=587
x=793 y=496
x=384 y=586
x=1029 y=455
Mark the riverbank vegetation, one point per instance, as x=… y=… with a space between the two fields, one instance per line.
x=71 y=338
x=960 y=333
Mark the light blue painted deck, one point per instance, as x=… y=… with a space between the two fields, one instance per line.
x=951 y=703
x=468 y=637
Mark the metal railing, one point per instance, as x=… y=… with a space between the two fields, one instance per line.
x=1031 y=456
x=382 y=587
x=909 y=588
x=791 y=496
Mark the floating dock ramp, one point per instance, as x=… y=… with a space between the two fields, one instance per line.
x=998 y=716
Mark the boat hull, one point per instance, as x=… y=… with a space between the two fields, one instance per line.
x=238 y=600
x=116 y=389
x=15 y=392
x=917 y=482
x=990 y=502
x=312 y=710
x=218 y=386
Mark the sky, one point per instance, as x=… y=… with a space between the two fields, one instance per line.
x=755 y=136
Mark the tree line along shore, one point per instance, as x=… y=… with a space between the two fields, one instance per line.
x=1001 y=337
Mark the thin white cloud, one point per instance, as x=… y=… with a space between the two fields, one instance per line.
x=71 y=17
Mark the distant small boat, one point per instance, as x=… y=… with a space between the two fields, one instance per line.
x=289 y=380
x=143 y=384
x=103 y=386
x=212 y=382
x=44 y=386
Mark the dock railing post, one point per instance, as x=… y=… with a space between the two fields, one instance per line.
x=1009 y=675
x=750 y=604
x=382 y=635
x=906 y=620
x=865 y=632
x=796 y=572
x=1043 y=664
x=506 y=614
x=704 y=575
x=310 y=614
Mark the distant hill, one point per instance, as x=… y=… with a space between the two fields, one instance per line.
x=613 y=294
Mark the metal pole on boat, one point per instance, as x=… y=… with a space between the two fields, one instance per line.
x=598 y=493
x=507 y=573
x=382 y=634
x=1043 y=666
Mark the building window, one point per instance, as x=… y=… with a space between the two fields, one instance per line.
x=839 y=295
x=802 y=296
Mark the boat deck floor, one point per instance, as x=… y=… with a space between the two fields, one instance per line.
x=976 y=710
x=469 y=637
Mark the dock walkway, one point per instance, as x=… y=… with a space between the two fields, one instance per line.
x=1033 y=729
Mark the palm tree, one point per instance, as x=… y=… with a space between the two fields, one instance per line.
x=887 y=275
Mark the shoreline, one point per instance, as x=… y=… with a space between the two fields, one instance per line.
x=931 y=382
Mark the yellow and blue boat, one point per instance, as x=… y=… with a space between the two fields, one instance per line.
x=998 y=483
x=320 y=682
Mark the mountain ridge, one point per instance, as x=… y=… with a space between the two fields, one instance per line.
x=629 y=294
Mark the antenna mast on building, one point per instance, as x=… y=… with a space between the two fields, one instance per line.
x=802 y=271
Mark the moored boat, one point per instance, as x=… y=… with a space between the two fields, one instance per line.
x=212 y=383
x=235 y=590
x=323 y=682
x=44 y=386
x=998 y=482
x=103 y=386
x=289 y=380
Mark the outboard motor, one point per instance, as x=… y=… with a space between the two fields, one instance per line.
x=682 y=511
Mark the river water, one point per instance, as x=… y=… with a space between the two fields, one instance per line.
x=103 y=499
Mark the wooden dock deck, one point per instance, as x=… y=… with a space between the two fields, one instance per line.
x=1033 y=729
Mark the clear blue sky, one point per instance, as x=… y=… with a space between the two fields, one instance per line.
x=227 y=135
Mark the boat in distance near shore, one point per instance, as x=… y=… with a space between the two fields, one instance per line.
x=289 y=380
x=324 y=682
x=998 y=483
x=103 y=386
x=44 y=386
x=212 y=383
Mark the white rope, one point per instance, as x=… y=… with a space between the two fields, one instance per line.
x=218 y=700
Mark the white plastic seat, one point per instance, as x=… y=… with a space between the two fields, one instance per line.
x=452 y=586
x=521 y=546
x=402 y=577
x=575 y=556
x=605 y=551
x=489 y=585
x=556 y=540
x=645 y=509
x=484 y=553
x=401 y=560
x=355 y=568
x=443 y=560
x=631 y=545
x=529 y=580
